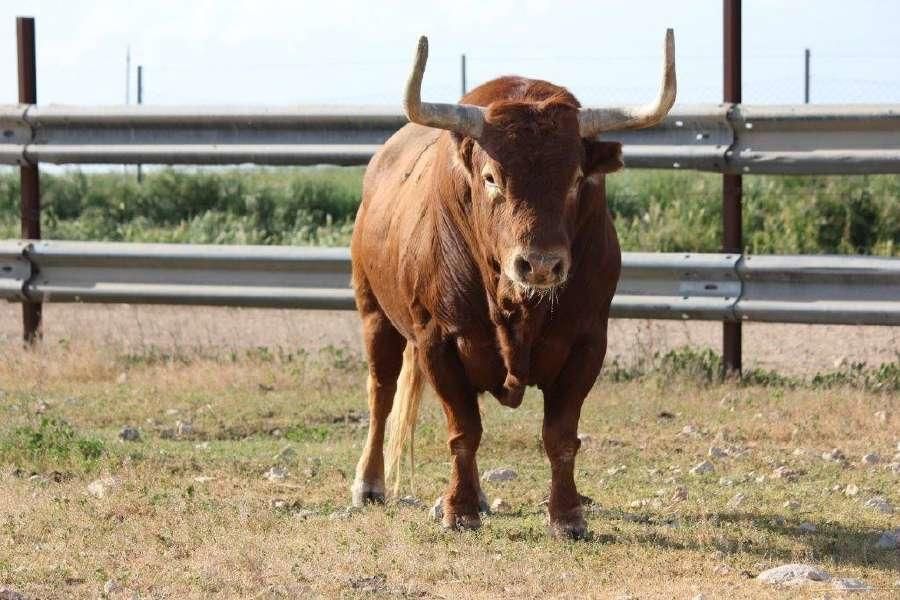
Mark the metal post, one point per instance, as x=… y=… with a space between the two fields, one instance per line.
x=28 y=174
x=806 y=77
x=463 y=69
x=140 y=100
x=732 y=185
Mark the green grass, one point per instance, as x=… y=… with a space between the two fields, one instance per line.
x=666 y=211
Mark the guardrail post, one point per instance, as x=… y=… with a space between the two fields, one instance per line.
x=29 y=174
x=732 y=185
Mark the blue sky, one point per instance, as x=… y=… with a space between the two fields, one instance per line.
x=340 y=52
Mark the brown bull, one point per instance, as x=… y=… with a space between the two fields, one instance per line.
x=485 y=260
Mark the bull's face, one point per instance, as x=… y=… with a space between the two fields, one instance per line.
x=531 y=163
x=531 y=175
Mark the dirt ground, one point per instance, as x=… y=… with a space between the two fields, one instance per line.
x=788 y=349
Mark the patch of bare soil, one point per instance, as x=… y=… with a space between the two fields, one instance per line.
x=790 y=349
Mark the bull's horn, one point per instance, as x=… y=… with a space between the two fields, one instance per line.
x=593 y=121
x=464 y=119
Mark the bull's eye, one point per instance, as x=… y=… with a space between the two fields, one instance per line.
x=489 y=179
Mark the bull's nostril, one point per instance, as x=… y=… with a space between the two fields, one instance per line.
x=523 y=267
x=558 y=269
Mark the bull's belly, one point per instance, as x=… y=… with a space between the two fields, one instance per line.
x=486 y=371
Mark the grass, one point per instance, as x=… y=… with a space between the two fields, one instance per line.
x=664 y=211
x=195 y=517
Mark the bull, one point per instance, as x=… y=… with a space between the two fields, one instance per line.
x=485 y=259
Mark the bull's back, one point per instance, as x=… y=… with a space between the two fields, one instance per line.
x=388 y=222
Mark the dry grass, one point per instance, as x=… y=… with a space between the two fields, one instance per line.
x=166 y=534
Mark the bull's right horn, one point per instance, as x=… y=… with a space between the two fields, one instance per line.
x=465 y=119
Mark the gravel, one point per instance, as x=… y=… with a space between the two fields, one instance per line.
x=104 y=487
x=129 y=434
x=276 y=474
x=880 y=504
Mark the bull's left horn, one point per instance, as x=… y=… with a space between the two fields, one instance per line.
x=465 y=119
x=593 y=121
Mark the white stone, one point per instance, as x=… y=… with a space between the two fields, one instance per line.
x=851 y=490
x=737 y=500
x=410 y=501
x=834 y=455
x=784 y=472
x=499 y=505
x=615 y=470
x=111 y=587
x=871 y=458
x=203 y=479
x=880 y=504
x=703 y=468
x=104 y=487
x=276 y=473
x=889 y=540
x=716 y=452
x=850 y=585
x=791 y=504
x=881 y=416
x=10 y=594
x=586 y=439
x=689 y=431
x=499 y=474
x=304 y=513
x=183 y=428
x=807 y=528
x=793 y=574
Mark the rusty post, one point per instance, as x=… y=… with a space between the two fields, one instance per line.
x=732 y=185
x=28 y=173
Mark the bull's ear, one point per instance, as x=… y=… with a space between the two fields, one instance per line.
x=464 y=147
x=602 y=157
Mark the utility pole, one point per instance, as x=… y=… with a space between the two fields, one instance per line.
x=462 y=64
x=128 y=75
x=140 y=100
x=29 y=176
x=806 y=77
x=732 y=185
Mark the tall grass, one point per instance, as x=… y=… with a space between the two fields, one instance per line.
x=655 y=210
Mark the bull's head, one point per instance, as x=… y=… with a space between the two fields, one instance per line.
x=532 y=163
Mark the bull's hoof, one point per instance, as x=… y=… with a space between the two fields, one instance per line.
x=366 y=493
x=459 y=521
x=575 y=529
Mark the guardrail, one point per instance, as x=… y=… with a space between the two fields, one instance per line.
x=720 y=287
x=726 y=138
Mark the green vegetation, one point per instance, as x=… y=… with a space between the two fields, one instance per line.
x=664 y=211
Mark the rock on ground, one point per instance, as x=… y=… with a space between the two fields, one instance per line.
x=129 y=434
x=276 y=473
x=785 y=472
x=10 y=594
x=889 y=540
x=850 y=585
x=737 y=500
x=500 y=505
x=871 y=458
x=703 y=468
x=880 y=504
x=851 y=490
x=807 y=528
x=104 y=487
x=793 y=574
x=499 y=474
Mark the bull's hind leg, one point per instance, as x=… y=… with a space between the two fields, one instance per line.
x=384 y=348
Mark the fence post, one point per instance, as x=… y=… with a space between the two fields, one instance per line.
x=732 y=185
x=462 y=68
x=29 y=175
x=806 y=76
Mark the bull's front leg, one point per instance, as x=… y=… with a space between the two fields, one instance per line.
x=562 y=410
x=460 y=403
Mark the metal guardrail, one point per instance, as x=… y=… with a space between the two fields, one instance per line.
x=725 y=138
x=720 y=287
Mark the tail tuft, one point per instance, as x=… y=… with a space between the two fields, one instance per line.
x=402 y=421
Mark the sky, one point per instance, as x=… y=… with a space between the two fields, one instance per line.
x=344 y=52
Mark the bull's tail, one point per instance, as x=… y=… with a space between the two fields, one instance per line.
x=402 y=421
